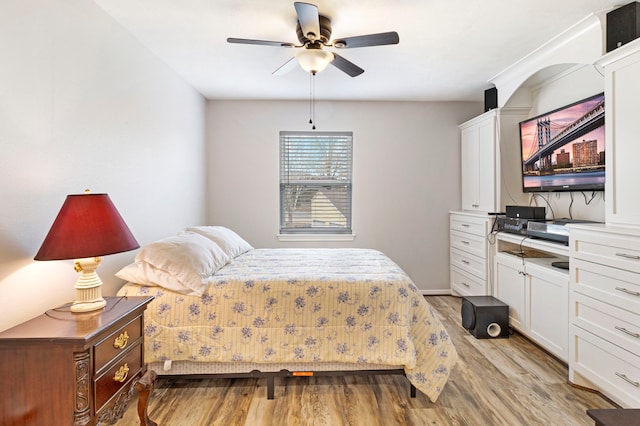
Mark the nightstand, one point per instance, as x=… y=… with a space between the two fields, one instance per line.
x=64 y=368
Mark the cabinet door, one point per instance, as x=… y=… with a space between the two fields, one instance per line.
x=622 y=148
x=478 y=164
x=510 y=287
x=548 y=318
x=469 y=168
x=487 y=166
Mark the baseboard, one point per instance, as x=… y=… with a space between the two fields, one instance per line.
x=436 y=292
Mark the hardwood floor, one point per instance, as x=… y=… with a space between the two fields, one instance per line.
x=496 y=382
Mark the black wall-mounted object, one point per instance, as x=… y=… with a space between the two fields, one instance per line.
x=490 y=99
x=485 y=317
x=623 y=25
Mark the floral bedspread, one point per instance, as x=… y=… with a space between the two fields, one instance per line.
x=303 y=305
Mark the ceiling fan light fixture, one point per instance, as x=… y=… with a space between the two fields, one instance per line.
x=314 y=60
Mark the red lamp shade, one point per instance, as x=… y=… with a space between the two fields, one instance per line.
x=88 y=225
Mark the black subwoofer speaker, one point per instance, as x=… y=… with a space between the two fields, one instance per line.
x=485 y=317
x=623 y=25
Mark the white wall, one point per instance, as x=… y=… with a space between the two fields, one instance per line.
x=406 y=174
x=580 y=82
x=84 y=105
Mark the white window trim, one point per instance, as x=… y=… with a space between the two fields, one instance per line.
x=316 y=237
x=325 y=234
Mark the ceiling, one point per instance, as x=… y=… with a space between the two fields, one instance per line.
x=448 y=49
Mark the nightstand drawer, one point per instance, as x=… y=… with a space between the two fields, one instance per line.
x=114 y=379
x=117 y=342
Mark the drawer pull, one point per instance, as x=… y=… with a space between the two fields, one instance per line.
x=465 y=284
x=628 y=256
x=466 y=262
x=464 y=225
x=121 y=341
x=123 y=372
x=465 y=242
x=628 y=380
x=624 y=290
x=630 y=333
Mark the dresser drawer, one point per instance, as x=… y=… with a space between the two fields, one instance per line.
x=117 y=342
x=617 y=251
x=466 y=284
x=470 y=243
x=467 y=262
x=468 y=224
x=120 y=373
x=612 y=324
x=609 y=285
x=615 y=371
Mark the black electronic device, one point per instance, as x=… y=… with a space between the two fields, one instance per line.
x=623 y=25
x=485 y=317
x=564 y=149
x=490 y=99
x=526 y=212
x=549 y=231
x=513 y=225
x=561 y=265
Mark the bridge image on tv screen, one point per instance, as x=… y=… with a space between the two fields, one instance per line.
x=563 y=150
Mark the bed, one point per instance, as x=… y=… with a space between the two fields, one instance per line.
x=222 y=307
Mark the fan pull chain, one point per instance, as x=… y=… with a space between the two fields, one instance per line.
x=312 y=99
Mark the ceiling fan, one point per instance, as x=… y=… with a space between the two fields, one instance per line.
x=314 y=32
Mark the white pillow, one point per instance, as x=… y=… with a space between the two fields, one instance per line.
x=185 y=263
x=144 y=274
x=230 y=242
x=134 y=274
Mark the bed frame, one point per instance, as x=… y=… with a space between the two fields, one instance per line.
x=183 y=366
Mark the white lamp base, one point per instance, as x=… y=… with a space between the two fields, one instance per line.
x=88 y=287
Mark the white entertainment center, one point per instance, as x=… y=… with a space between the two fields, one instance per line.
x=587 y=316
x=536 y=291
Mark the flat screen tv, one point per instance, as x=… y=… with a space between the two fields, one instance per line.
x=563 y=150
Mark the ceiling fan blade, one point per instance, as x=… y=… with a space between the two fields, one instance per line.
x=309 y=20
x=346 y=66
x=379 y=39
x=259 y=42
x=286 y=67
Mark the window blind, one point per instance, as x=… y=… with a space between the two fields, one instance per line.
x=315 y=182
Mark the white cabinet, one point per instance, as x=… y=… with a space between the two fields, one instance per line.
x=470 y=257
x=604 y=311
x=478 y=163
x=622 y=91
x=537 y=292
x=490 y=149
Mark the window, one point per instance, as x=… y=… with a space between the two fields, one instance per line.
x=315 y=182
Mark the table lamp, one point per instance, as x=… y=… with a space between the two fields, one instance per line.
x=88 y=226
